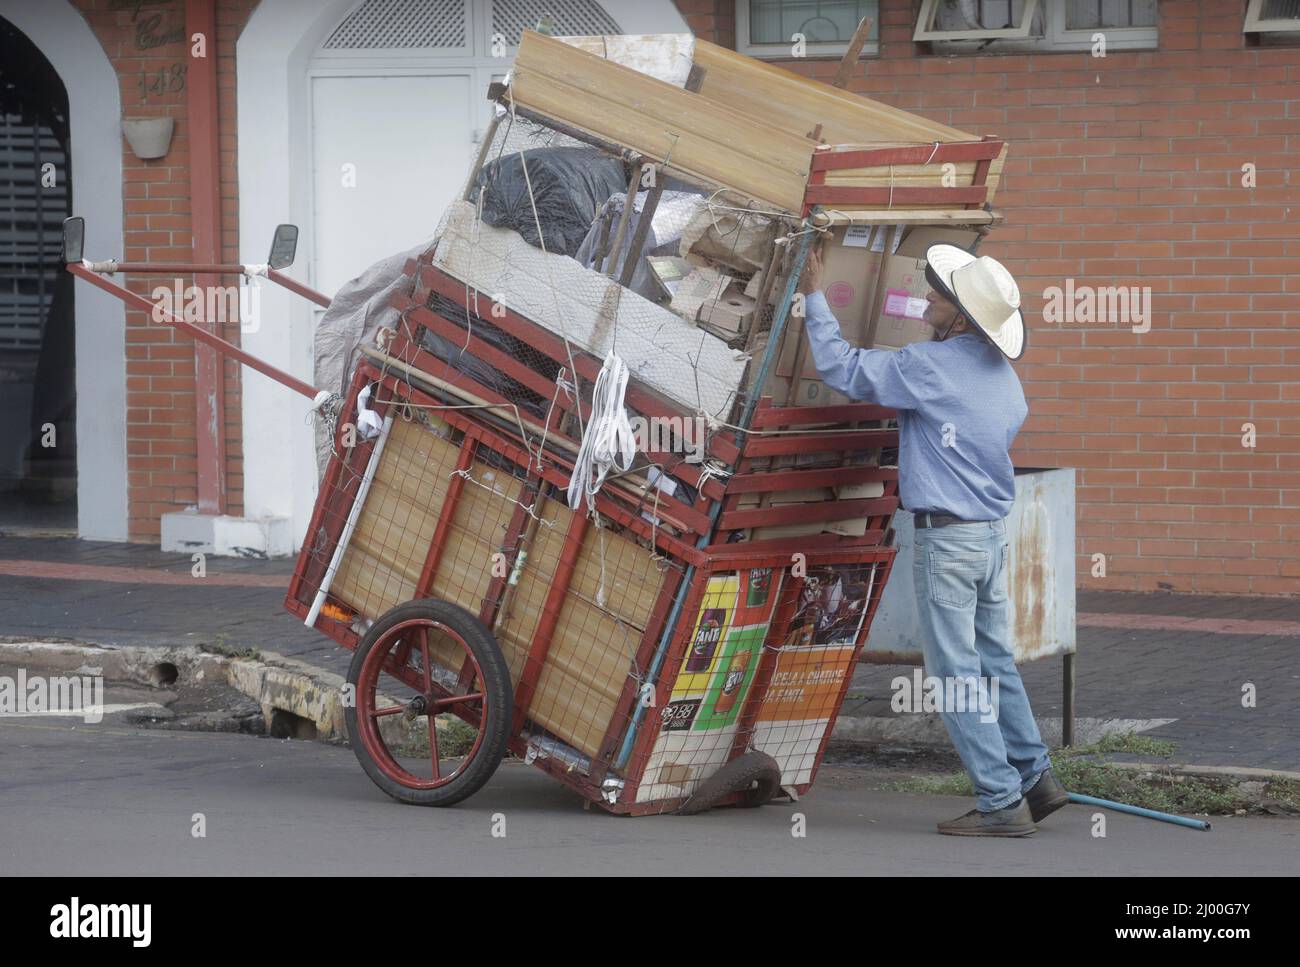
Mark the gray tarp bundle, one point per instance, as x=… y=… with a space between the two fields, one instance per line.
x=357 y=312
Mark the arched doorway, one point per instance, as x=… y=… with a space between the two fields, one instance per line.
x=38 y=440
x=64 y=39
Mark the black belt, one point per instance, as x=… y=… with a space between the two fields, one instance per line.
x=926 y=518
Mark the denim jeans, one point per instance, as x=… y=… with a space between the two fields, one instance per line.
x=961 y=597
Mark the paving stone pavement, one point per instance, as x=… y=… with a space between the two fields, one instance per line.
x=1192 y=676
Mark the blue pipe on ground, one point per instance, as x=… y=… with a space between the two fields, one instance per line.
x=1139 y=811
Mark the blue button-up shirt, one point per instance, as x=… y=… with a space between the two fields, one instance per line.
x=959 y=406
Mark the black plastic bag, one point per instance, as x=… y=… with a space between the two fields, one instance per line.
x=569 y=184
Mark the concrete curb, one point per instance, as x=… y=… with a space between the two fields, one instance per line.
x=927 y=728
x=1238 y=773
x=274 y=681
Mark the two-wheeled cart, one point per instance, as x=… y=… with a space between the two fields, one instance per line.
x=684 y=636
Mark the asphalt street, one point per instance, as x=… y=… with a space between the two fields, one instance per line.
x=113 y=798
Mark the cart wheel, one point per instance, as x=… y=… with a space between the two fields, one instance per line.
x=422 y=660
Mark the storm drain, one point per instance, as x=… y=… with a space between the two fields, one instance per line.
x=286 y=725
x=163 y=674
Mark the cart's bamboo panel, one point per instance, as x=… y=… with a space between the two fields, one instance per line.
x=593 y=647
x=523 y=612
x=383 y=561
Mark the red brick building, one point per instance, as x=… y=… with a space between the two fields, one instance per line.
x=1166 y=163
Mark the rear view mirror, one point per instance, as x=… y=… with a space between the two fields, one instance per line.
x=74 y=237
x=284 y=246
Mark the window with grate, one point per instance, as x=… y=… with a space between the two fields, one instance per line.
x=826 y=26
x=1038 y=24
x=1104 y=14
x=561 y=18
x=1273 y=21
x=1079 y=14
x=981 y=15
x=403 y=24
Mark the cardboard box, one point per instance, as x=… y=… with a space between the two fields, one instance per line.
x=902 y=304
x=921 y=237
x=728 y=316
x=857 y=526
x=849 y=273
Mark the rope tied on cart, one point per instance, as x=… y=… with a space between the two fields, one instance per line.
x=607 y=440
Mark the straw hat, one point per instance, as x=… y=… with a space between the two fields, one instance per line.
x=985 y=293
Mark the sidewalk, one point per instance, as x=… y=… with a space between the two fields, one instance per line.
x=1140 y=656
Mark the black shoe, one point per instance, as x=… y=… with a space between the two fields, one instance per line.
x=1046 y=796
x=1013 y=820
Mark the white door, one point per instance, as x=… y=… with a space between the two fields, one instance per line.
x=389 y=154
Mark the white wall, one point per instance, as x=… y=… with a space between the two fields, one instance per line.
x=66 y=40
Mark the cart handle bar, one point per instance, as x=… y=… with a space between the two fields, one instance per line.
x=197 y=332
x=223 y=268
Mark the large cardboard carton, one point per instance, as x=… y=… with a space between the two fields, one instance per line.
x=902 y=304
x=921 y=237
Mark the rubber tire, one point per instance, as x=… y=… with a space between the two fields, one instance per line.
x=496 y=686
x=755 y=774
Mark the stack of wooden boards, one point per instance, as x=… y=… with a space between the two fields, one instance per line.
x=747 y=126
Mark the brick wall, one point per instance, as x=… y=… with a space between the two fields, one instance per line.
x=1127 y=170
x=145 y=44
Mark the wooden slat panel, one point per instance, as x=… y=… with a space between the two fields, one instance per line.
x=728 y=147
x=827 y=510
x=593 y=647
x=797 y=104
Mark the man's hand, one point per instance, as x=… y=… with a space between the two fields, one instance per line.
x=811 y=279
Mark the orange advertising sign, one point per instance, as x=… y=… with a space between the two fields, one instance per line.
x=806 y=683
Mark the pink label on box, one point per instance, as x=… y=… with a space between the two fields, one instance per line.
x=898 y=302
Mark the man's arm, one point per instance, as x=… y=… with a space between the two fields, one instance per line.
x=900 y=380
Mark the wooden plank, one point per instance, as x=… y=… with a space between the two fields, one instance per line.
x=813 y=442
x=795 y=103
x=769 y=481
x=734 y=149
x=843 y=156
x=850 y=59
x=810 y=415
x=835 y=195
x=910 y=216
x=826 y=510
